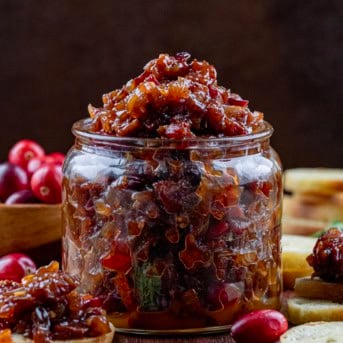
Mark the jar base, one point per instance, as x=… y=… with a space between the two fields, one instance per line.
x=175 y=332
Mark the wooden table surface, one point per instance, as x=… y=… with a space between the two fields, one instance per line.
x=221 y=338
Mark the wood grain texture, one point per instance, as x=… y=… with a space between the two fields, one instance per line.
x=23 y=227
x=118 y=338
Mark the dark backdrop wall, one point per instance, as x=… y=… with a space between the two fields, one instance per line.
x=285 y=56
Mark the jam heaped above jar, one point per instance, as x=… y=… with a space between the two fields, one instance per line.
x=176 y=99
x=44 y=306
x=172 y=202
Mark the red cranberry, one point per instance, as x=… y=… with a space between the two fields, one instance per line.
x=23 y=151
x=223 y=295
x=34 y=164
x=38 y=162
x=46 y=184
x=57 y=157
x=15 y=266
x=261 y=326
x=12 y=179
x=21 y=197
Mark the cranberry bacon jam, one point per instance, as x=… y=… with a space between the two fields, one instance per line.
x=176 y=99
x=44 y=306
x=172 y=201
x=327 y=256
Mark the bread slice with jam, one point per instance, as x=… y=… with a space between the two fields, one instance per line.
x=7 y=337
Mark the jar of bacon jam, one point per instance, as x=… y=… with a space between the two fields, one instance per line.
x=172 y=202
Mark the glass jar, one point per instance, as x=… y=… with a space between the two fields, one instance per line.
x=173 y=235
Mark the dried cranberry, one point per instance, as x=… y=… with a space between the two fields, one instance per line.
x=175 y=196
x=193 y=255
x=217 y=230
x=257 y=187
x=119 y=259
x=213 y=91
x=192 y=174
x=221 y=259
x=172 y=235
x=238 y=102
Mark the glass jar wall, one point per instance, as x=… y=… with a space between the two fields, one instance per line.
x=171 y=234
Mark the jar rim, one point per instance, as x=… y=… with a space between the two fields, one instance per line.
x=80 y=129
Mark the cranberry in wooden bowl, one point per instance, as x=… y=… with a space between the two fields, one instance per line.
x=172 y=202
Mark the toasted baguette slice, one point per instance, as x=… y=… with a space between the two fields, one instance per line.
x=289 y=277
x=319 y=289
x=107 y=338
x=314 y=208
x=314 y=180
x=295 y=249
x=302 y=226
x=316 y=332
x=302 y=310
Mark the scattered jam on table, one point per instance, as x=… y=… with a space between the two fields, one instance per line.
x=172 y=235
x=45 y=307
x=327 y=256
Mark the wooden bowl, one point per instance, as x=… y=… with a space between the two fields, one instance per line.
x=28 y=226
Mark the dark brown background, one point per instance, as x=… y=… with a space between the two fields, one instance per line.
x=285 y=56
